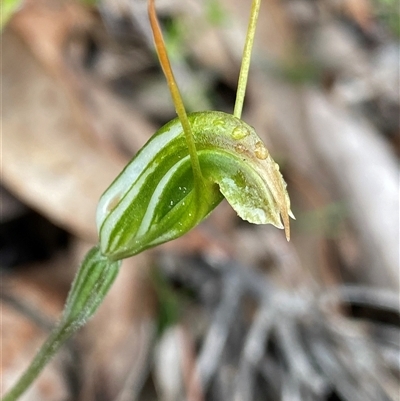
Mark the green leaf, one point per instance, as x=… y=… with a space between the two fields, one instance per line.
x=154 y=199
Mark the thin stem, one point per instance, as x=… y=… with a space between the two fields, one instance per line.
x=244 y=69
x=176 y=96
x=46 y=352
x=91 y=284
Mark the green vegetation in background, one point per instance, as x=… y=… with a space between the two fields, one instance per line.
x=388 y=11
x=170 y=302
x=7 y=9
x=216 y=15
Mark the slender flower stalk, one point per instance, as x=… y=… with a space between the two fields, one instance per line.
x=246 y=58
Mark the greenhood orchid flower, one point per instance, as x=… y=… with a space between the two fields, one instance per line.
x=155 y=198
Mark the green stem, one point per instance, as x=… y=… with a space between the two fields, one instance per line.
x=91 y=284
x=46 y=352
x=244 y=69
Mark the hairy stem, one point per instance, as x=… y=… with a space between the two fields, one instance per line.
x=244 y=69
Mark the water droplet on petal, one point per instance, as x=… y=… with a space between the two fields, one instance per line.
x=239 y=133
x=260 y=151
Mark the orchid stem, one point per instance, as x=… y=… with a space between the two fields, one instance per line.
x=90 y=286
x=244 y=69
x=48 y=350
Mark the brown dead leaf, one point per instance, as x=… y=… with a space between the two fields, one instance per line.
x=65 y=135
x=45 y=26
x=47 y=161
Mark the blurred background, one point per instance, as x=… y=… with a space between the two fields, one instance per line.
x=230 y=311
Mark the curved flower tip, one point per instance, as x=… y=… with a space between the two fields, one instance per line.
x=257 y=191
